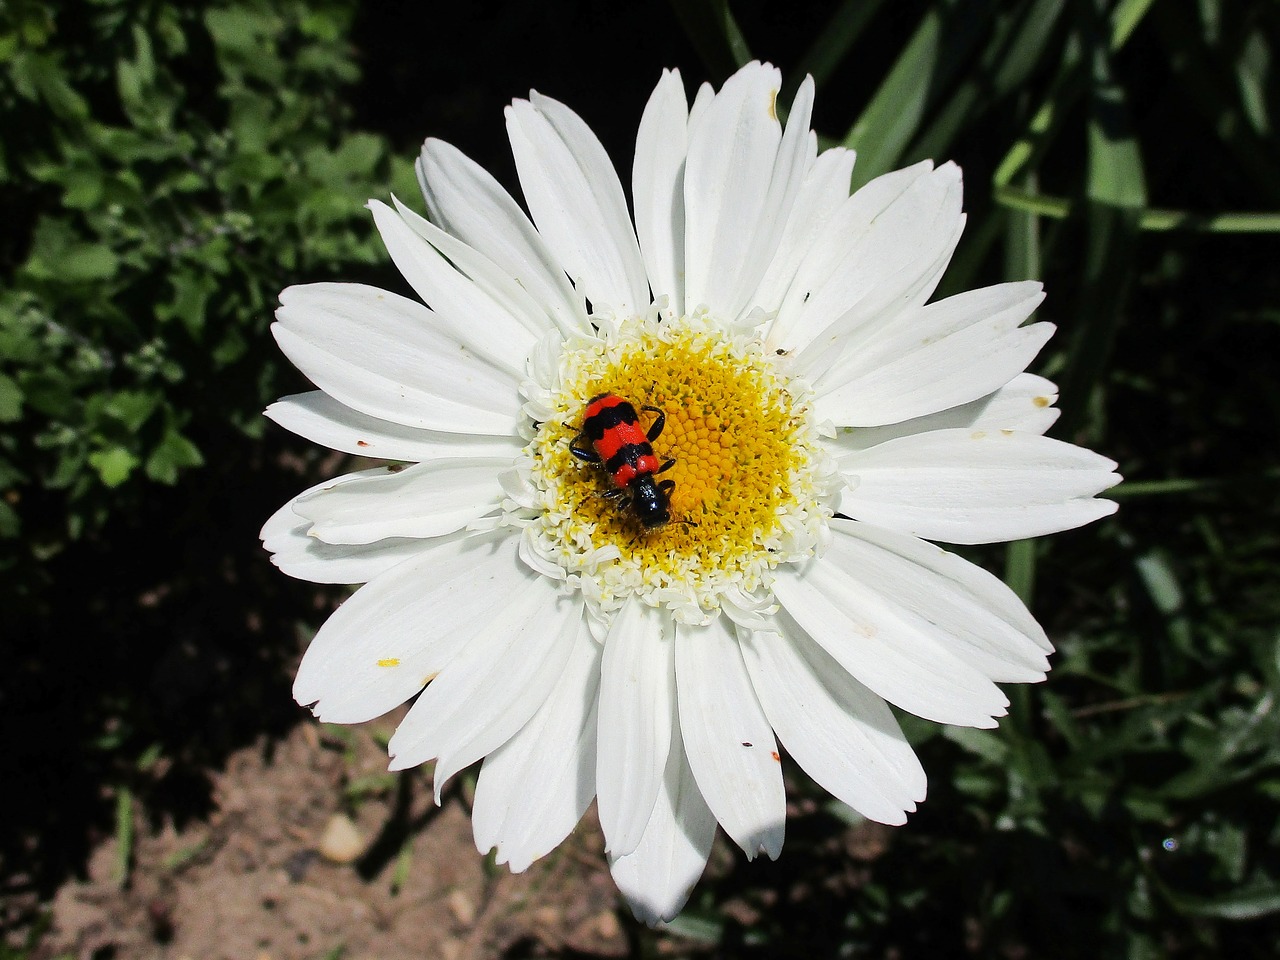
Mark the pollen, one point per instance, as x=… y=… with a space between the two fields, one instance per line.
x=743 y=456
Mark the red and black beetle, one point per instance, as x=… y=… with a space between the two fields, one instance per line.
x=611 y=436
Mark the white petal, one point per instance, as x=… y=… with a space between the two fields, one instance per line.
x=423 y=500
x=796 y=153
x=987 y=626
x=382 y=646
x=741 y=180
x=323 y=420
x=1025 y=404
x=732 y=151
x=577 y=202
x=940 y=356
x=503 y=289
x=843 y=735
x=825 y=188
x=464 y=199
x=463 y=310
x=826 y=283
x=901 y=658
x=657 y=183
x=300 y=555
x=381 y=354
x=657 y=877
x=895 y=265
x=701 y=101
x=497 y=681
x=535 y=787
x=637 y=705
x=979 y=486
x=728 y=741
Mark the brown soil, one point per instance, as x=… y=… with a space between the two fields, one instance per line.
x=250 y=882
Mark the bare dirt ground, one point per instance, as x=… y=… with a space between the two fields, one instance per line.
x=251 y=882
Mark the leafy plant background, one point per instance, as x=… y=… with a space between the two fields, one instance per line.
x=166 y=169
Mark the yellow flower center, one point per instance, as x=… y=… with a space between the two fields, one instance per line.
x=744 y=458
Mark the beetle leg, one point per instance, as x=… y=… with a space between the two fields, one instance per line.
x=655 y=430
x=666 y=486
x=620 y=498
x=583 y=453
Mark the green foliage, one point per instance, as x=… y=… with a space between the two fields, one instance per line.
x=166 y=170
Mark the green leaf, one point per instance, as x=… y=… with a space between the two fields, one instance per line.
x=136 y=78
x=58 y=254
x=1115 y=172
x=1247 y=903
x=113 y=466
x=174 y=454
x=41 y=76
x=896 y=109
x=131 y=408
x=1125 y=19
x=10 y=399
x=698 y=925
x=981 y=743
x=10 y=522
x=124 y=836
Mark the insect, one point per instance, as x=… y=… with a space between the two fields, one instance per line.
x=611 y=436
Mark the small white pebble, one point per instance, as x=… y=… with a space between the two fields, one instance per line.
x=463 y=910
x=341 y=842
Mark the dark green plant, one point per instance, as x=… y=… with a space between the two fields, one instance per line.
x=166 y=170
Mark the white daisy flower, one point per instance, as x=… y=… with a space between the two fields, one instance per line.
x=825 y=421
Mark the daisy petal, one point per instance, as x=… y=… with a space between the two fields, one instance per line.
x=300 y=555
x=463 y=311
x=948 y=353
x=728 y=741
x=657 y=184
x=796 y=153
x=382 y=355
x=988 y=627
x=962 y=486
x=497 y=681
x=843 y=735
x=424 y=500
x=503 y=289
x=464 y=199
x=535 y=787
x=323 y=420
x=637 y=708
x=577 y=202
x=382 y=646
x=825 y=188
x=741 y=179
x=895 y=265
x=826 y=283
x=657 y=877
x=1026 y=403
x=904 y=660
